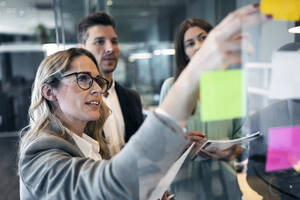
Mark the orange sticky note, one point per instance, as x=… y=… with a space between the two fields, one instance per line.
x=281 y=9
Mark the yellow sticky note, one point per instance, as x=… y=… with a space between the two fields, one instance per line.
x=281 y=9
x=222 y=95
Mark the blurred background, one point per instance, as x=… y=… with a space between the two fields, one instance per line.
x=32 y=29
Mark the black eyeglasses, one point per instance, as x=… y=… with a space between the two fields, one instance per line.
x=85 y=81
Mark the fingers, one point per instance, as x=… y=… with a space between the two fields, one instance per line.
x=231 y=153
x=230 y=46
x=224 y=43
x=232 y=49
x=242 y=18
x=297 y=166
x=294 y=161
x=207 y=154
x=237 y=43
x=231 y=59
x=231 y=53
x=165 y=196
x=238 y=150
x=197 y=133
x=197 y=136
x=226 y=155
x=247 y=47
x=235 y=25
x=247 y=10
x=244 y=11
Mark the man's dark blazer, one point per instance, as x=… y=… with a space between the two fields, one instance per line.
x=281 y=185
x=131 y=107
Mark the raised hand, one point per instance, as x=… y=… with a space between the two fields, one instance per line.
x=223 y=44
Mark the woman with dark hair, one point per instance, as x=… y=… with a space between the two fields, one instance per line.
x=214 y=178
x=190 y=36
x=181 y=58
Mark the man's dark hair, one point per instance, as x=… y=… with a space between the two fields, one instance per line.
x=99 y=18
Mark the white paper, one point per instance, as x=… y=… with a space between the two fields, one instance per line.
x=209 y=145
x=166 y=181
x=285 y=80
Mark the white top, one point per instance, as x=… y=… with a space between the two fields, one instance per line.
x=88 y=146
x=114 y=127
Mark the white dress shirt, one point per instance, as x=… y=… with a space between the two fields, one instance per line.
x=114 y=127
x=88 y=146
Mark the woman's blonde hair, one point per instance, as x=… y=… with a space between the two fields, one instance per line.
x=40 y=110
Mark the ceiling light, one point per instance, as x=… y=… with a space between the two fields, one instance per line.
x=52 y=48
x=109 y=3
x=136 y=56
x=164 y=52
x=144 y=13
x=295 y=29
x=2 y=3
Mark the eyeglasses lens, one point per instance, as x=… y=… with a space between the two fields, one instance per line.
x=84 y=81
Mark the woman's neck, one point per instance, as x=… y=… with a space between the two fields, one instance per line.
x=77 y=130
x=75 y=126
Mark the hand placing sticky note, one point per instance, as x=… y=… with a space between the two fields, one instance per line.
x=281 y=9
x=283 y=148
x=222 y=95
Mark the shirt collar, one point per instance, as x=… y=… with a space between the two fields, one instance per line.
x=112 y=86
x=110 y=90
x=85 y=143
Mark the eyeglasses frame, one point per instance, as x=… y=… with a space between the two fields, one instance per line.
x=96 y=79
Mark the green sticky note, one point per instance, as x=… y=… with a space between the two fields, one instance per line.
x=281 y=9
x=222 y=95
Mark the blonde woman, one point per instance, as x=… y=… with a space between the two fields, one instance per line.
x=59 y=153
x=62 y=151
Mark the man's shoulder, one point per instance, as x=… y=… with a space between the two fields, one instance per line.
x=269 y=111
x=121 y=90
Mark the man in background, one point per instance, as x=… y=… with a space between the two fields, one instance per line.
x=96 y=33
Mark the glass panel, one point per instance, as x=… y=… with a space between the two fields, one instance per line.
x=30 y=30
x=24 y=27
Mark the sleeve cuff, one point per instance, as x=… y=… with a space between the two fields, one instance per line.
x=169 y=121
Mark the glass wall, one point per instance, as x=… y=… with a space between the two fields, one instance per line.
x=32 y=29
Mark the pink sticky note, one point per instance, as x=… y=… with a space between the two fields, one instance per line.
x=283 y=148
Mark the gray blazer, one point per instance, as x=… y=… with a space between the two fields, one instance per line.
x=53 y=167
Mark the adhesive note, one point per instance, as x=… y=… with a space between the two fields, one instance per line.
x=281 y=9
x=283 y=148
x=222 y=95
x=285 y=81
